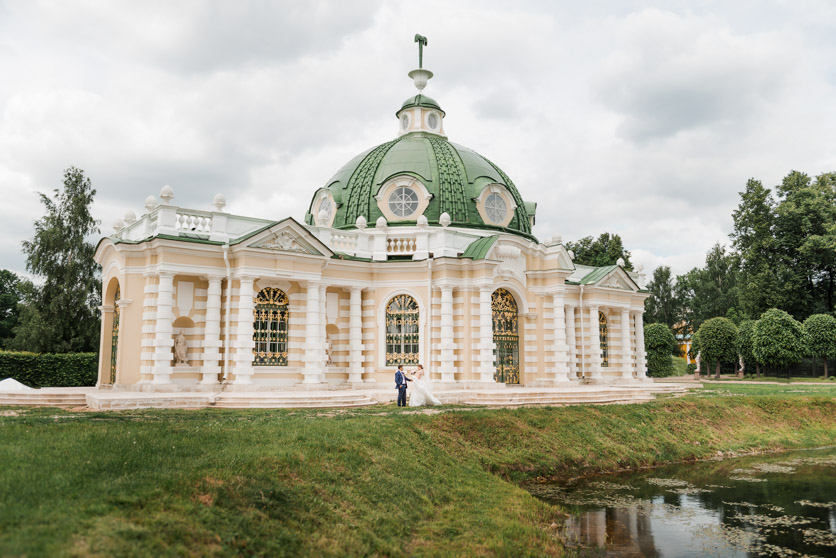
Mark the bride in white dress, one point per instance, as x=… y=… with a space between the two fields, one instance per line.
x=421 y=390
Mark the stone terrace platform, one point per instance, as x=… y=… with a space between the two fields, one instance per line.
x=106 y=399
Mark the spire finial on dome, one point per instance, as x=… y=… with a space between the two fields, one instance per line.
x=420 y=76
x=422 y=42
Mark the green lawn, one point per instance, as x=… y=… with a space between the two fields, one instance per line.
x=375 y=481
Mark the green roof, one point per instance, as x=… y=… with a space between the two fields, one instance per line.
x=597 y=274
x=420 y=100
x=478 y=249
x=453 y=175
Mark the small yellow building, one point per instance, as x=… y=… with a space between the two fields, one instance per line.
x=418 y=250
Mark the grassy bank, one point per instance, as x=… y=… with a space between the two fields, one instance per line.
x=372 y=481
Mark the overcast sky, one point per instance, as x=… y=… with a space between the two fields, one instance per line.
x=638 y=118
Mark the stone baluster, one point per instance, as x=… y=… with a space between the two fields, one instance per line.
x=244 y=342
x=212 y=332
x=163 y=331
x=486 y=345
x=626 y=353
x=447 y=344
x=594 y=371
x=561 y=357
x=355 y=336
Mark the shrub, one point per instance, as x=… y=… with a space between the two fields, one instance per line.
x=821 y=337
x=660 y=345
x=779 y=339
x=718 y=342
x=50 y=370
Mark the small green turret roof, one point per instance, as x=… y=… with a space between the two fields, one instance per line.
x=478 y=249
x=420 y=100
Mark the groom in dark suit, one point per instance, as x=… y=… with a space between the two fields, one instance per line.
x=400 y=384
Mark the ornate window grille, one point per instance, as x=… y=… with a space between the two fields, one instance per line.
x=270 y=324
x=403 y=202
x=114 y=335
x=602 y=334
x=506 y=337
x=402 y=340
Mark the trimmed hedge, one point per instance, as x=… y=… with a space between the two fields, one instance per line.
x=50 y=370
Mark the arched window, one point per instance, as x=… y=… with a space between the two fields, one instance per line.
x=506 y=337
x=270 y=319
x=602 y=334
x=402 y=331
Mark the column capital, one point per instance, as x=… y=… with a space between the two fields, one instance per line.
x=355 y=289
x=245 y=277
x=165 y=274
x=213 y=277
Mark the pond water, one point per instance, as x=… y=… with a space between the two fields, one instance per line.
x=780 y=504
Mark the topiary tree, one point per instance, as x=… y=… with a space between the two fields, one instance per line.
x=660 y=345
x=745 y=344
x=821 y=337
x=718 y=342
x=779 y=339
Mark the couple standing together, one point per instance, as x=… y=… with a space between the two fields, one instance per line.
x=421 y=392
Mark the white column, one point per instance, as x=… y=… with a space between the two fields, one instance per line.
x=447 y=344
x=212 y=332
x=314 y=362
x=571 y=341
x=486 y=345
x=355 y=336
x=641 y=364
x=244 y=342
x=561 y=355
x=594 y=361
x=163 y=339
x=626 y=353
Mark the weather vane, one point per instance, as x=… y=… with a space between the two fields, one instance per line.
x=422 y=42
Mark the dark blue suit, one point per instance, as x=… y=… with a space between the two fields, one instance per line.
x=400 y=384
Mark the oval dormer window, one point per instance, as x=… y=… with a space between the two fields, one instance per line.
x=403 y=201
x=495 y=208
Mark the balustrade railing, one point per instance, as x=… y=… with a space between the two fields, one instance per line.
x=344 y=242
x=401 y=245
x=193 y=222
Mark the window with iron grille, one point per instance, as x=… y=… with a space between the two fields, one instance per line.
x=402 y=340
x=270 y=325
x=602 y=334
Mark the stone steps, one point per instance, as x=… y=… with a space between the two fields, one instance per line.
x=44 y=399
x=277 y=401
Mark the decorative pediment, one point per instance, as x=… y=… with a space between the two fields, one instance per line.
x=288 y=236
x=283 y=241
x=618 y=279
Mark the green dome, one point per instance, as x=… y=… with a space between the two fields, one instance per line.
x=420 y=100
x=453 y=175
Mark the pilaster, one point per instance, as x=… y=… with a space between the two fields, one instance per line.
x=355 y=336
x=447 y=344
x=212 y=333
x=244 y=343
x=163 y=339
x=486 y=344
x=594 y=345
x=626 y=353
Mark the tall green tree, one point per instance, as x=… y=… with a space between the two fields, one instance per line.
x=62 y=315
x=779 y=339
x=711 y=291
x=821 y=337
x=718 y=342
x=601 y=251
x=762 y=268
x=10 y=299
x=663 y=306
x=806 y=242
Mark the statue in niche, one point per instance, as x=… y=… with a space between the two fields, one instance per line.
x=742 y=367
x=329 y=350
x=180 y=356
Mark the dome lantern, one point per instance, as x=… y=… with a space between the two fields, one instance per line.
x=420 y=113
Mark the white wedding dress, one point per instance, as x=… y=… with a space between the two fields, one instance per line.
x=422 y=394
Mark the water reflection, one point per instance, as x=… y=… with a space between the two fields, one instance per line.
x=775 y=505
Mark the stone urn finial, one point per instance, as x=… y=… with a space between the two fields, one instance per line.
x=130 y=217
x=444 y=220
x=619 y=262
x=571 y=255
x=381 y=223
x=219 y=201
x=150 y=203
x=360 y=223
x=166 y=194
x=118 y=225
x=423 y=222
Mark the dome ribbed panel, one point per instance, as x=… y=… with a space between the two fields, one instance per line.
x=451 y=188
x=523 y=222
x=360 y=184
